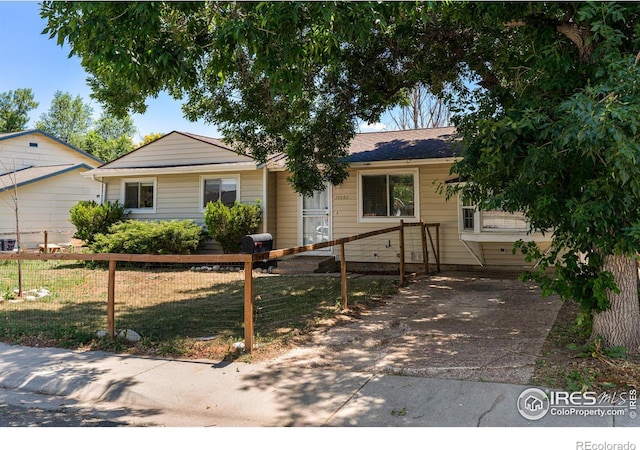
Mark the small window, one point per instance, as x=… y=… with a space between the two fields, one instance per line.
x=468 y=216
x=139 y=195
x=388 y=195
x=473 y=220
x=224 y=189
x=501 y=220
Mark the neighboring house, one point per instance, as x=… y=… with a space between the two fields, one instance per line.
x=393 y=176
x=46 y=174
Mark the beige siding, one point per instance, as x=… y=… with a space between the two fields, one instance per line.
x=385 y=248
x=287 y=215
x=177 y=150
x=178 y=196
x=501 y=254
x=44 y=206
x=47 y=153
x=434 y=208
x=272 y=206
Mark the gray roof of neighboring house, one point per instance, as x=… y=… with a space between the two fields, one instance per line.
x=405 y=145
x=33 y=174
x=4 y=136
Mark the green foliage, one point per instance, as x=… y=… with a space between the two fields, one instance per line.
x=595 y=348
x=14 y=109
x=574 y=276
x=577 y=381
x=228 y=225
x=180 y=237
x=90 y=218
x=68 y=118
x=110 y=138
x=544 y=95
x=291 y=78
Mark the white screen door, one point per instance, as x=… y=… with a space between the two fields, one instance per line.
x=316 y=219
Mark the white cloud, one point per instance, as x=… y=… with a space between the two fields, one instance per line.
x=370 y=127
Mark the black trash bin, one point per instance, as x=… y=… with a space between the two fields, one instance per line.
x=256 y=243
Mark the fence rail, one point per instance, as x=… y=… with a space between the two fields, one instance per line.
x=246 y=260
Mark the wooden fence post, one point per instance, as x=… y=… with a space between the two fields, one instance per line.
x=248 y=305
x=425 y=249
x=438 y=246
x=401 y=238
x=343 y=276
x=111 y=299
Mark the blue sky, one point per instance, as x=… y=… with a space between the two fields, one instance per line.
x=29 y=59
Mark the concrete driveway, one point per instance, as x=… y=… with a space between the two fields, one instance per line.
x=465 y=326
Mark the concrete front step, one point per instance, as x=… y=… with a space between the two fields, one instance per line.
x=306 y=264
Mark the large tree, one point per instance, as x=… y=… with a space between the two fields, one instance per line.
x=546 y=100
x=14 y=109
x=68 y=118
x=110 y=137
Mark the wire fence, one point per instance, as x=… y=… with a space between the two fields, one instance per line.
x=169 y=301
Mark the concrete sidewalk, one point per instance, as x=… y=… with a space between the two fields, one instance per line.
x=171 y=393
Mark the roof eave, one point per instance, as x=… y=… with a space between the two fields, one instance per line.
x=142 y=171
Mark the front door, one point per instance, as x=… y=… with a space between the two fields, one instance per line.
x=316 y=218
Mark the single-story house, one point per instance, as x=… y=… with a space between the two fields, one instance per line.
x=393 y=176
x=45 y=175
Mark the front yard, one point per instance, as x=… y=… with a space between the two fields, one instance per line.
x=178 y=311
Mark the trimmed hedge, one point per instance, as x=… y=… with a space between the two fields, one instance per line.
x=90 y=218
x=228 y=225
x=179 y=237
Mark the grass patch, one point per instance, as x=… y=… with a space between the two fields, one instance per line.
x=178 y=312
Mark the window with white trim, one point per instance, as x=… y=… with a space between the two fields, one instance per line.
x=214 y=189
x=384 y=195
x=139 y=195
x=474 y=221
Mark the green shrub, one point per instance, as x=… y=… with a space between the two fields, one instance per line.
x=228 y=225
x=176 y=237
x=90 y=218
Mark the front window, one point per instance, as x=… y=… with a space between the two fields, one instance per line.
x=139 y=194
x=501 y=220
x=473 y=220
x=224 y=189
x=387 y=195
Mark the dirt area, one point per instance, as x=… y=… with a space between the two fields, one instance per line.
x=453 y=325
x=561 y=365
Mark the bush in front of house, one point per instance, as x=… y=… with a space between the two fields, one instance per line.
x=91 y=218
x=174 y=237
x=228 y=225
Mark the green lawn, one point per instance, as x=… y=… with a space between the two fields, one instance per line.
x=177 y=311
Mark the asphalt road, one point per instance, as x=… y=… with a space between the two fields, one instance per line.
x=18 y=409
x=21 y=416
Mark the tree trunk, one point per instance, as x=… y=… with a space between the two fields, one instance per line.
x=620 y=324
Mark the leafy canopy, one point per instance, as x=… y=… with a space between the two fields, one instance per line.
x=545 y=96
x=275 y=77
x=14 y=109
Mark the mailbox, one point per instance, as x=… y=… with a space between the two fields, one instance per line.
x=256 y=243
